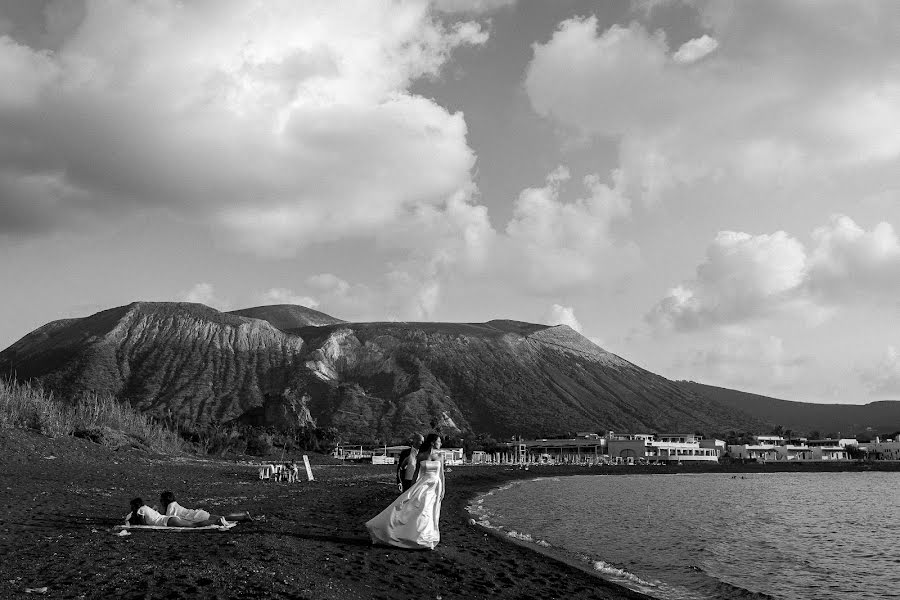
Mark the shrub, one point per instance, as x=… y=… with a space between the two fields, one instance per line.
x=259 y=442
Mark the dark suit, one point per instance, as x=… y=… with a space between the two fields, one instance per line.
x=401 y=469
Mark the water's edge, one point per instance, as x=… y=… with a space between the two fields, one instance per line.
x=596 y=566
x=597 y=569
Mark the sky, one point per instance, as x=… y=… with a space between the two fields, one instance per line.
x=710 y=190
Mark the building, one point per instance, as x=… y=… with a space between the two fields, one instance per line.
x=663 y=447
x=885 y=450
x=479 y=456
x=587 y=448
x=451 y=456
x=768 y=448
x=831 y=449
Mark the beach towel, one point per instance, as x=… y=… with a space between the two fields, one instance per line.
x=163 y=528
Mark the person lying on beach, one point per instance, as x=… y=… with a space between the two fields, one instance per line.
x=173 y=509
x=141 y=514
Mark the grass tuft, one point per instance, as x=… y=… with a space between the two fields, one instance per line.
x=29 y=406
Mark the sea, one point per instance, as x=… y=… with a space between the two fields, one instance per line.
x=784 y=536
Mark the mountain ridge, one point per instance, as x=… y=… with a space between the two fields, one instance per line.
x=881 y=416
x=371 y=381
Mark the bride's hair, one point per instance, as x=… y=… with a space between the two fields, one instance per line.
x=428 y=445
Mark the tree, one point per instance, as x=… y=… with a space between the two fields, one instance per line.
x=479 y=441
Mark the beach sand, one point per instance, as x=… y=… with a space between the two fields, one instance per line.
x=58 y=513
x=60 y=499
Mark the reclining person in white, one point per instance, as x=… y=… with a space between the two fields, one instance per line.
x=194 y=515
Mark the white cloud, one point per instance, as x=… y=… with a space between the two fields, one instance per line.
x=205 y=293
x=743 y=277
x=555 y=244
x=563 y=315
x=282 y=123
x=849 y=261
x=883 y=378
x=783 y=90
x=695 y=49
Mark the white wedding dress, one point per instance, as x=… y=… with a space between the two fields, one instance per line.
x=411 y=521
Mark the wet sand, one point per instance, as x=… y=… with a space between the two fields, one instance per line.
x=57 y=515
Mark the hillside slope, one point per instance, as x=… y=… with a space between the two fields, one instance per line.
x=287 y=316
x=370 y=380
x=187 y=358
x=805 y=417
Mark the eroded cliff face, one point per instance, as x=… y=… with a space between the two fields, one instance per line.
x=182 y=358
x=372 y=381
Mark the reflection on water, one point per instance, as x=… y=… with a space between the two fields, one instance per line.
x=817 y=536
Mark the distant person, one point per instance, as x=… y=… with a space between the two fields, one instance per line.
x=173 y=509
x=406 y=464
x=141 y=514
x=411 y=521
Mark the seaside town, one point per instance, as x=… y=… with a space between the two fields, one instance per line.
x=589 y=448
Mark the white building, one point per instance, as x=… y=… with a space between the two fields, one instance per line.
x=664 y=447
x=776 y=448
x=451 y=456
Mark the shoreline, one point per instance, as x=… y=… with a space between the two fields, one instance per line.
x=63 y=496
x=588 y=563
x=559 y=554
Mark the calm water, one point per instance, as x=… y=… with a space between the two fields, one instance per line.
x=816 y=536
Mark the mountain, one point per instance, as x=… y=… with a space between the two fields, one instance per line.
x=369 y=380
x=287 y=316
x=805 y=417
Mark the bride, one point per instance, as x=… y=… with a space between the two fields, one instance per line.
x=411 y=521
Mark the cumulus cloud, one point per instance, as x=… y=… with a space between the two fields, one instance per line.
x=563 y=315
x=751 y=276
x=282 y=123
x=743 y=276
x=771 y=89
x=205 y=293
x=883 y=377
x=695 y=49
x=850 y=261
x=556 y=244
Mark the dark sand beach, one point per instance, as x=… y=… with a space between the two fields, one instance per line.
x=61 y=499
x=55 y=532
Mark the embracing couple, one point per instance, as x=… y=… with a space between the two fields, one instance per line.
x=411 y=521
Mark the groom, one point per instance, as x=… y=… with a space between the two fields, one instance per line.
x=406 y=465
